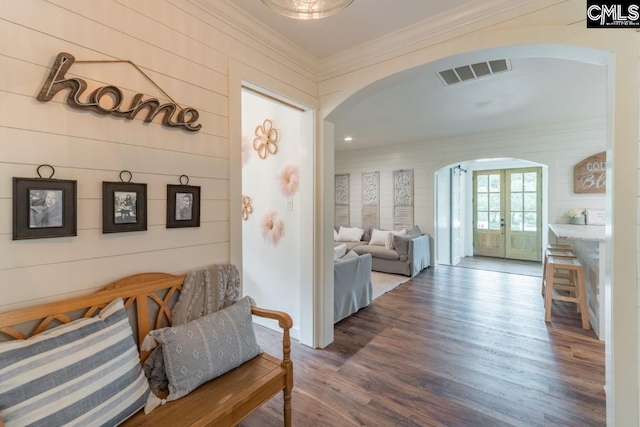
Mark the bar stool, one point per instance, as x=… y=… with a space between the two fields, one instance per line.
x=556 y=246
x=562 y=252
x=576 y=287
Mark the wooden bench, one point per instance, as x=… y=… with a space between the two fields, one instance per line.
x=148 y=297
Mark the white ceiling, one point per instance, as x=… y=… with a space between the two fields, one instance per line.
x=362 y=21
x=415 y=105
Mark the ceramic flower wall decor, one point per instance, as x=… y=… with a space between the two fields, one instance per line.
x=246 y=207
x=266 y=140
x=272 y=227
x=289 y=180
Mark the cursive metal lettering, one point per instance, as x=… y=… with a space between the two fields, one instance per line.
x=186 y=118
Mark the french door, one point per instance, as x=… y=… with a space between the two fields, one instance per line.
x=507 y=220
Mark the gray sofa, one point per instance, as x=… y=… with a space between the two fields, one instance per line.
x=409 y=263
x=411 y=256
x=351 y=284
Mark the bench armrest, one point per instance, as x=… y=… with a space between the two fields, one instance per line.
x=285 y=322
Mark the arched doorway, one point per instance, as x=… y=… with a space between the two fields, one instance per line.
x=618 y=57
x=454 y=207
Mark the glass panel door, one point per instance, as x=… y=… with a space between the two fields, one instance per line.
x=488 y=218
x=523 y=238
x=507 y=213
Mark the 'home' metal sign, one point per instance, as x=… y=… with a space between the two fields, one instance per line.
x=185 y=118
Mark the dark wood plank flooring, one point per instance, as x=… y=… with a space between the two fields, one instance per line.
x=514 y=266
x=452 y=347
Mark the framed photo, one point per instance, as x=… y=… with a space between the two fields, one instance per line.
x=124 y=207
x=44 y=208
x=183 y=206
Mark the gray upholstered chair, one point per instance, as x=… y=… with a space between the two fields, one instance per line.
x=351 y=284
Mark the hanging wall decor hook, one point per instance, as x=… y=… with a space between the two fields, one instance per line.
x=53 y=171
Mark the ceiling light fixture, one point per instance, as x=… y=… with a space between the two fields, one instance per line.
x=307 y=9
x=348 y=139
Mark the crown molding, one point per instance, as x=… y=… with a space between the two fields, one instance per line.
x=421 y=33
x=262 y=35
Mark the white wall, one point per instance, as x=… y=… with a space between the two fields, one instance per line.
x=271 y=272
x=186 y=48
x=559 y=147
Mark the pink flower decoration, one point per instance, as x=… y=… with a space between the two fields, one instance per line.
x=246 y=150
x=289 y=180
x=272 y=227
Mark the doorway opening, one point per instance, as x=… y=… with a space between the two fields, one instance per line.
x=277 y=198
x=473 y=199
x=507 y=214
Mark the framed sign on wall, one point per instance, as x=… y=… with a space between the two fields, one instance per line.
x=589 y=176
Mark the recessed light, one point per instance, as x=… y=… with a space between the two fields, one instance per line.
x=348 y=139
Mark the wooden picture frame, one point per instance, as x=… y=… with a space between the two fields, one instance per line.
x=124 y=207
x=44 y=208
x=183 y=206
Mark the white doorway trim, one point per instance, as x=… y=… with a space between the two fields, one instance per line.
x=241 y=75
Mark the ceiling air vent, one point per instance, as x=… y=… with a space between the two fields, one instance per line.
x=473 y=71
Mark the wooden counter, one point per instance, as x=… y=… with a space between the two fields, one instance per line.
x=589 y=245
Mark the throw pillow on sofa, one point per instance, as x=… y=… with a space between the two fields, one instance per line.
x=402 y=246
x=401 y=243
x=366 y=236
x=204 y=349
x=378 y=237
x=86 y=372
x=389 y=244
x=335 y=235
x=350 y=234
x=339 y=251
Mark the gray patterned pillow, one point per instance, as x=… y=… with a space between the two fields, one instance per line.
x=207 y=347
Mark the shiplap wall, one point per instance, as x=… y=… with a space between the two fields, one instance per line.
x=559 y=147
x=185 y=47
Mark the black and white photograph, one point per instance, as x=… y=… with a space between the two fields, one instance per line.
x=43 y=208
x=183 y=206
x=124 y=207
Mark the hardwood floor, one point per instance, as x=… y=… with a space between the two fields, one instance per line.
x=452 y=347
x=514 y=266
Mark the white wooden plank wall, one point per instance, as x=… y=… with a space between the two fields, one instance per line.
x=559 y=147
x=185 y=48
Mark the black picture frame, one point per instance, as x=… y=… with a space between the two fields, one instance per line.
x=124 y=207
x=179 y=216
x=44 y=208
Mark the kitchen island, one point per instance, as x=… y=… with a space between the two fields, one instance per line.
x=588 y=242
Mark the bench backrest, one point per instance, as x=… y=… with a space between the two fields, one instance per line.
x=147 y=297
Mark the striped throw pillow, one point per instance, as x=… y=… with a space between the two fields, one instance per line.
x=86 y=372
